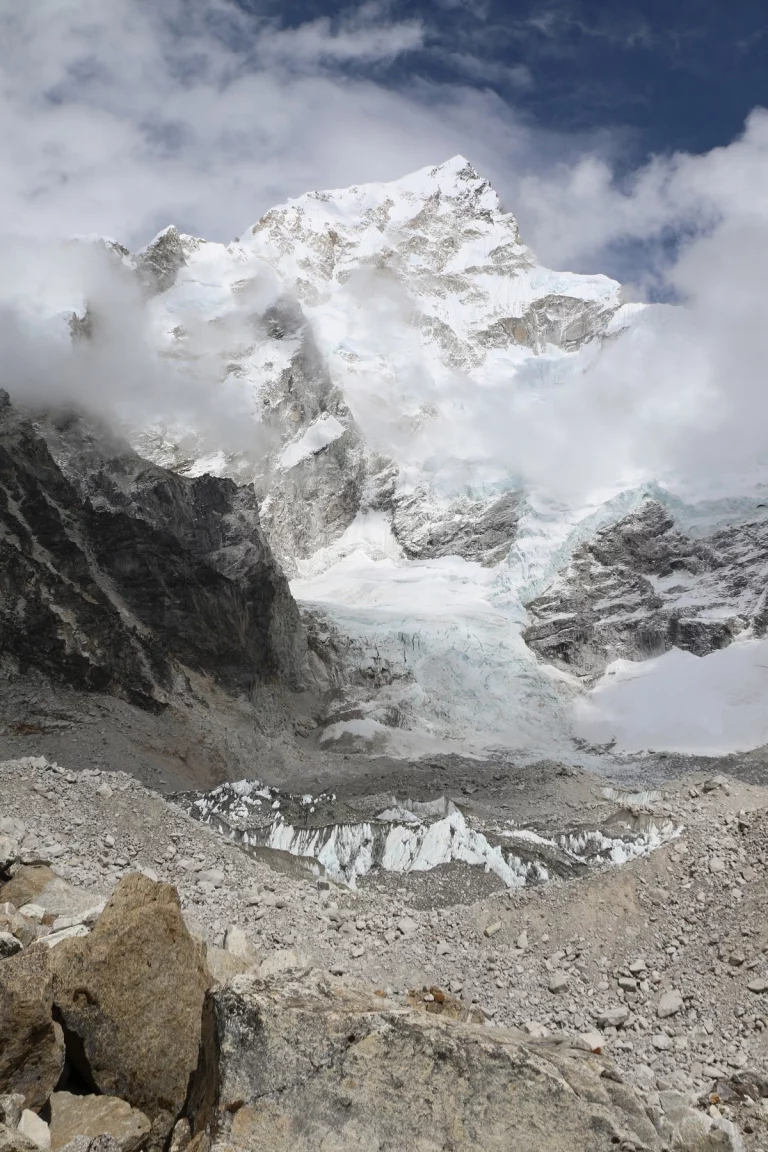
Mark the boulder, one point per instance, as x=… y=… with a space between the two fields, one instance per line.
x=91 y=1116
x=697 y=1132
x=26 y=931
x=92 y=1144
x=670 y=1004
x=282 y=960
x=298 y=1063
x=612 y=1017
x=11 y=1140
x=9 y=850
x=223 y=965
x=31 y=1044
x=591 y=1041
x=53 y=939
x=11 y=1108
x=35 y=1129
x=9 y=945
x=25 y=885
x=132 y=993
x=39 y=885
x=239 y=944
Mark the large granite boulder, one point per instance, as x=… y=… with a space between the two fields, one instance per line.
x=92 y=1116
x=298 y=1063
x=130 y=997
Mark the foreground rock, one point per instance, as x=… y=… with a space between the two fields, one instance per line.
x=73 y=1116
x=132 y=994
x=296 y=1063
x=31 y=1043
x=115 y=570
x=39 y=885
x=11 y=1140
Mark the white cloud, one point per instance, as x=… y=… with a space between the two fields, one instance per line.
x=119 y=118
x=360 y=38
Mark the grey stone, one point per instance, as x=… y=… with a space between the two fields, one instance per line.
x=303 y=1065
x=11 y=1108
x=669 y=1004
x=9 y=851
x=612 y=1017
x=559 y=983
x=9 y=945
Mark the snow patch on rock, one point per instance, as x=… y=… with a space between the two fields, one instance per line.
x=319 y=435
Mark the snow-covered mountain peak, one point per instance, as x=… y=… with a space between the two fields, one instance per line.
x=437 y=248
x=373 y=360
x=451 y=188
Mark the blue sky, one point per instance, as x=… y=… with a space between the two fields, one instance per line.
x=665 y=74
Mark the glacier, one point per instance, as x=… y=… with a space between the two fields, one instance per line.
x=334 y=840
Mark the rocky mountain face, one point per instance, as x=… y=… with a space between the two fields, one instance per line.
x=379 y=300
x=118 y=575
x=358 y=331
x=372 y=360
x=641 y=587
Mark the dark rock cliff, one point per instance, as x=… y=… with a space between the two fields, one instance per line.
x=642 y=586
x=115 y=574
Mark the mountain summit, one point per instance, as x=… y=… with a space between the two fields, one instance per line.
x=380 y=362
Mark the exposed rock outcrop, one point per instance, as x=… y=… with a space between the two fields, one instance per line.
x=564 y=321
x=116 y=573
x=304 y=1064
x=130 y=998
x=641 y=586
x=473 y=529
x=159 y=263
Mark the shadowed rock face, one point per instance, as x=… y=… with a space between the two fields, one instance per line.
x=31 y=1044
x=113 y=570
x=161 y=260
x=641 y=587
x=475 y=530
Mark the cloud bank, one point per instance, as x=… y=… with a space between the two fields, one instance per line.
x=118 y=119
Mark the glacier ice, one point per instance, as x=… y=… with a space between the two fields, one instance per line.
x=407 y=836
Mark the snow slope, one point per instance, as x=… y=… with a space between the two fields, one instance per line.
x=679 y=702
